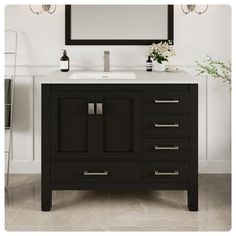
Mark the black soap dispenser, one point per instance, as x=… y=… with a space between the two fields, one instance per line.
x=64 y=62
x=149 y=64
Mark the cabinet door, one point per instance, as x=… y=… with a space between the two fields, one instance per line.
x=71 y=126
x=118 y=125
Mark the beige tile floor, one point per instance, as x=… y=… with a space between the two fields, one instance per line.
x=116 y=210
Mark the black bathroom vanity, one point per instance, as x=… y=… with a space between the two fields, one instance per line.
x=139 y=134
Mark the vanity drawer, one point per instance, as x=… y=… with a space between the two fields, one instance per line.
x=95 y=172
x=166 y=102
x=166 y=172
x=165 y=149
x=166 y=125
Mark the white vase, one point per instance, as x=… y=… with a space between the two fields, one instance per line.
x=159 y=67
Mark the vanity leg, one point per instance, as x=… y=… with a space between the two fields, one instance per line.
x=46 y=201
x=193 y=199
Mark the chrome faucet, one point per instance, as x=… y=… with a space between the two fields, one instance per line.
x=106 y=61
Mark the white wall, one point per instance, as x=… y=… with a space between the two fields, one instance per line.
x=41 y=38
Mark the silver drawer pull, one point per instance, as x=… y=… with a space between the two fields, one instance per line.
x=167 y=148
x=91 y=108
x=166 y=101
x=175 y=125
x=176 y=172
x=96 y=173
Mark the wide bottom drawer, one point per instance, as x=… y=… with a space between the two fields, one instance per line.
x=63 y=172
x=166 y=172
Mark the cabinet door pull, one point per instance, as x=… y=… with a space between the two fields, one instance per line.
x=96 y=173
x=166 y=148
x=91 y=108
x=99 y=108
x=175 y=125
x=166 y=101
x=176 y=172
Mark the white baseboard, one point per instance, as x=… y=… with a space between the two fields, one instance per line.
x=215 y=167
x=205 y=167
x=25 y=167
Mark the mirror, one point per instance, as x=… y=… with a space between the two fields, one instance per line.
x=118 y=24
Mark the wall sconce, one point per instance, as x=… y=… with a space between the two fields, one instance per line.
x=192 y=8
x=45 y=8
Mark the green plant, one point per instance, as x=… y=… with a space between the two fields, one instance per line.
x=215 y=69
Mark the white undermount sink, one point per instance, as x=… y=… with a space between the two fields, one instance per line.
x=103 y=75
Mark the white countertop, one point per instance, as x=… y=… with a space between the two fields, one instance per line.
x=142 y=77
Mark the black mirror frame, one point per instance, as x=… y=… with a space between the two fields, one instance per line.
x=69 y=41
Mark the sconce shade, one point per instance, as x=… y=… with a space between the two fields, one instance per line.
x=44 y=8
x=193 y=8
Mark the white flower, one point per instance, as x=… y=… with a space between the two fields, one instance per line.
x=161 y=51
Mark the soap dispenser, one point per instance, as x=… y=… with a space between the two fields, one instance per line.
x=64 y=62
x=149 y=64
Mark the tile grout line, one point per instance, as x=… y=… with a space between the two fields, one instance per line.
x=108 y=208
